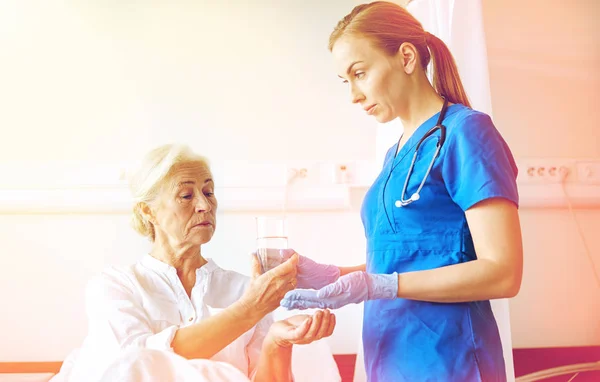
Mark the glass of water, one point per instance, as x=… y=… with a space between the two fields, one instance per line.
x=271 y=236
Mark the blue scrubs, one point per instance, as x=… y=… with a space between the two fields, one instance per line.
x=407 y=340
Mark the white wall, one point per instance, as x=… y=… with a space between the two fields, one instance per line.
x=544 y=58
x=108 y=81
x=81 y=79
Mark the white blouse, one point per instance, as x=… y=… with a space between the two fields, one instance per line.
x=143 y=305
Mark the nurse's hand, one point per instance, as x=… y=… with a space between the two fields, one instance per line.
x=312 y=275
x=352 y=288
x=301 y=329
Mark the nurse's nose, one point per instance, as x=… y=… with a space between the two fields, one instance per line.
x=355 y=94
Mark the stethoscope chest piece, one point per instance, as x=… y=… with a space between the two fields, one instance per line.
x=413 y=197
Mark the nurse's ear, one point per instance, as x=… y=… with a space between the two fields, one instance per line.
x=407 y=57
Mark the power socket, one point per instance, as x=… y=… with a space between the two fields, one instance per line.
x=544 y=171
x=343 y=173
x=588 y=172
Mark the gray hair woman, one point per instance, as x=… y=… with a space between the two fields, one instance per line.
x=159 y=307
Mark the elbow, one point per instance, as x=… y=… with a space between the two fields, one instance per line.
x=511 y=285
x=512 y=290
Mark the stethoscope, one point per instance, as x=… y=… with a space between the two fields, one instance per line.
x=416 y=195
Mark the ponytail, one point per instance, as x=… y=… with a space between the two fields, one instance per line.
x=446 y=80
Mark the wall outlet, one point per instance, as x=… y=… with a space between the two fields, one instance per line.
x=588 y=172
x=343 y=173
x=545 y=171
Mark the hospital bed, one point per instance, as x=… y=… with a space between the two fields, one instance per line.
x=25 y=377
x=573 y=371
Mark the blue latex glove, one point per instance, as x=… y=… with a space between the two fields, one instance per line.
x=352 y=288
x=312 y=275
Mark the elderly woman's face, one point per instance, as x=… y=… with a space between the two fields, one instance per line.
x=186 y=206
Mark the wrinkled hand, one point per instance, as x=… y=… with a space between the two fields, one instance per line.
x=352 y=288
x=302 y=329
x=312 y=275
x=266 y=290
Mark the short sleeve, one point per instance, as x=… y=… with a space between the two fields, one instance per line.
x=478 y=163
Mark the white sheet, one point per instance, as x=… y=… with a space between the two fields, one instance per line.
x=307 y=360
x=149 y=365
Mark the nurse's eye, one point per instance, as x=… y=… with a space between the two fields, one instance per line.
x=359 y=75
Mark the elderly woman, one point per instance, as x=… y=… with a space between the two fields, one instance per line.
x=151 y=321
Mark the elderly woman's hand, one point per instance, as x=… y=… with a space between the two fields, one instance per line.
x=302 y=329
x=267 y=290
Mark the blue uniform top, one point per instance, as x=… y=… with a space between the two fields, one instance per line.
x=408 y=340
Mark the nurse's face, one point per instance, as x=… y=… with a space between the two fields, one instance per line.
x=377 y=81
x=186 y=207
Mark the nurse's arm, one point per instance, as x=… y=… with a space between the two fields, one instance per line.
x=497 y=271
x=346 y=270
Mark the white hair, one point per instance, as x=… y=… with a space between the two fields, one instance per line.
x=147 y=179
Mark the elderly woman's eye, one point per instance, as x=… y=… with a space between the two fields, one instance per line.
x=187 y=196
x=209 y=194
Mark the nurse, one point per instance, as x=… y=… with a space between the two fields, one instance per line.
x=434 y=261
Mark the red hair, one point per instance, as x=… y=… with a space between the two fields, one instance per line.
x=389 y=25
